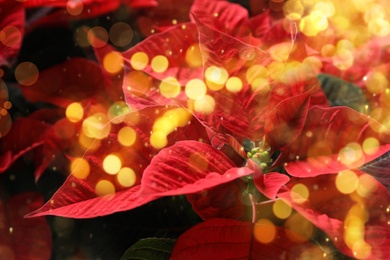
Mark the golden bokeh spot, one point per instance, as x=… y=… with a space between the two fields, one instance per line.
x=10 y=36
x=126 y=177
x=216 y=77
x=121 y=34
x=97 y=36
x=165 y=124
x=281 y=209
x=195 y=89
x=205 y=105
x=299 y=193
x=343 y=59
x=351 y=153
x=376 y=83
x=234 y=84
x=264 y=231
x=328 y=50
x=179 y=116
x=117 y=111
x=127 y=136
x=112 y=164
x=74 y=112
x=7 y=105
x=314 y=63
x=326 y=7
x=159 y=63
x=280 y=51
x=113 y=62
x=367 y=185
x=97 y=126
x=254 y=72
x=26 y=73
x=104 y=187
x=370 y=145
x=194 y=56
x=88 y=143
x=169 y=87
x=361 y=249
x=74 y=7
x=139 y=83
x=374 y=11
x=158 y=139
x=379 y=27
x=139 y=60
x=274 y=69
x=80 y=168
x=347 y=181
x=260 y=85
x=293 y=10
x=298 y=229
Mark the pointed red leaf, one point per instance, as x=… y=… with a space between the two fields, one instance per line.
x=21 y=238
x=188 y=167
x=328 y=139
x=231 y=239
x=11 y=30
x=82 y=195
x=268 y=184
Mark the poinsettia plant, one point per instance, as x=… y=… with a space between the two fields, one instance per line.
x=279 y=143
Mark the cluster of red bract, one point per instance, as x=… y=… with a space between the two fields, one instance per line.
x=275 y=126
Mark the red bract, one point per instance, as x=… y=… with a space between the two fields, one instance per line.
x=11 y=30
x=23 y=238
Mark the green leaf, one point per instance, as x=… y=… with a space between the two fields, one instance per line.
x=150 y=248
x=342 y=93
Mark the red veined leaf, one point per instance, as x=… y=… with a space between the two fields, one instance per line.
x=231 y=239
x=379 y=169
x=188 y=167
x=285 y=122
x=223 y=201
x=21 y=238
x=26 y=134
x=71 y=81
x=11 y=30
x=348 y=216
x=98 y=187
x=222 y=16
x=329 y=137
x=268 y=184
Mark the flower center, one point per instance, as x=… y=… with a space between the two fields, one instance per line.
x=260 y=156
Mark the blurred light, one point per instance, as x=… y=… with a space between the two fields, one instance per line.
x=195 y=89
x=126 y=177
x=170 y=87
x=74 y=112
x=97 y=36
x=113 y=62
x=127 y=136
x=194 y=56
x=347 y=181
x=112 y=164
x=159 y=63
x=80 y=168
x=264 y=231
x=26 y=73
x=139 y=60
x=104 y=187
x=121 y=34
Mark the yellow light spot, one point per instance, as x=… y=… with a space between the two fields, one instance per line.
x=361 y=249
x=194 y=56
x=74 y=112
x=328 y=50
x=379 y=27
x=127 y=136
x=26 y=73
x=121 y=34
x=299 y=193
x=376 y=83
x=112 y=164
x=351 y=153
x=88 y=143
x=298 y=229
x=80 y=168
x=165 y=124
x=293 y=10
x=370 y=145
x=158 y=139
x=347 y=181
x=104 y=187
x=126 y=177
x=159 y=63
x=367 y=185
x=97 y=36
x=280 y=51
x=195 y=89
x=216 y=76
x=97 y=126
x=117 y=112
x=139 y=60
x=343 y=59
x=281 y=209
x=113 y=62
x=74 y=7
x=264 y=231
x=234 y=84
x=254 y=72
x=327 y=8
x=260 y=85
x=180 y=116
x=170 y=87
x=205 y=105
x=139 y=83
